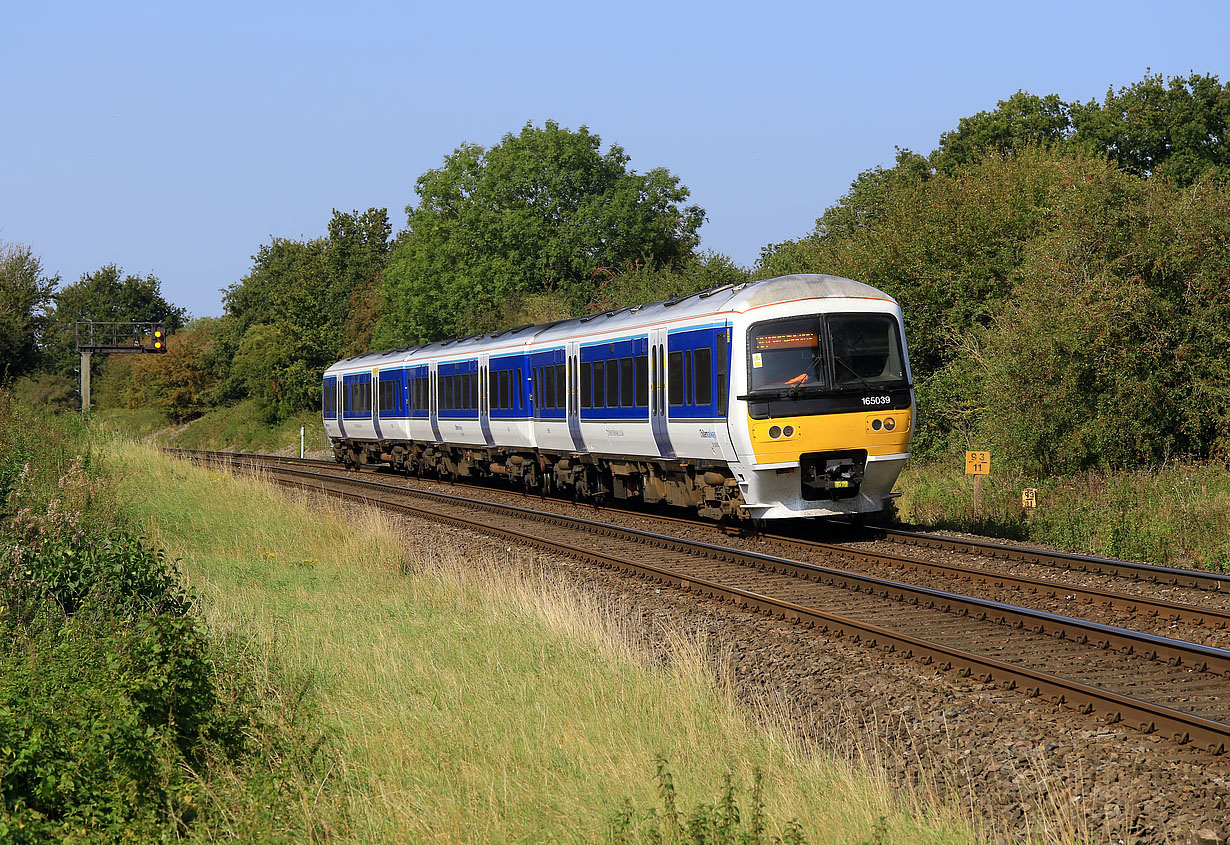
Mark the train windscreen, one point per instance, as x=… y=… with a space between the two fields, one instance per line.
x=834 y=351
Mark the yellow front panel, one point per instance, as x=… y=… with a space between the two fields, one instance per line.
x=827 y=432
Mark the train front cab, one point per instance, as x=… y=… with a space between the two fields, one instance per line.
x=829 y=410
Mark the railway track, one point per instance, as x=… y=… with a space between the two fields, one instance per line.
x=1154 y=683
x=1056 y=594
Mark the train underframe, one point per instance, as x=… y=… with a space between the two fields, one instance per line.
x=708 y=488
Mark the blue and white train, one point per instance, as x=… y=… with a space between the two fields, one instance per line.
x=789 y=397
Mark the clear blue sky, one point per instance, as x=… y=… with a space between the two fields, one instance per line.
x=175 y=139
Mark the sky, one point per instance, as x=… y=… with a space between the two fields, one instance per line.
x=175 y=139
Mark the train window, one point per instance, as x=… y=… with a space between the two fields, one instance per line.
x=866 y=349
x=786 y=353
x=688 y=380
x=704 y=376
x=587 y=384
x=612 y=383
x=674 y=377
x=561 y=386
x=642 y=381
x=473 y=391
x=520 y=390
x=722 y=387
x=449 y=393
x=501 y=399
x=546 y=388
x=599 y=384
x=493 y=389
x=625 y=382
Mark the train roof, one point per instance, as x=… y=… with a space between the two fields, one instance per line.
x=726 y=299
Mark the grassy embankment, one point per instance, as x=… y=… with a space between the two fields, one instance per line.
x=1178 y=514
x=239 y=427
x=470 y=698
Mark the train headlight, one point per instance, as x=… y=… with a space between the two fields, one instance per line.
x=788 y=431
x=876 y=425
x=775 y=432
x=890 y=424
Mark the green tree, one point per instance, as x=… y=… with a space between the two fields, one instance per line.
x=1023 y=120
x=1176 y=127
x=299 y=309
x=25 y=293
x=543 y=212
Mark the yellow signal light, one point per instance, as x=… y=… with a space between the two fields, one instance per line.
x=157 y=338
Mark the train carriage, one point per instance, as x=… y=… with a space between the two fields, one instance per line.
x=789 y=397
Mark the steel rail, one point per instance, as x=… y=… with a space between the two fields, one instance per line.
x=1213 y=581
x=1158 y=608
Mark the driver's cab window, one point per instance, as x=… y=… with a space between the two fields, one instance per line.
x=786 y=353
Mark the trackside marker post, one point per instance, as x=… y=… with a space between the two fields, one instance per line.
x=978 y=464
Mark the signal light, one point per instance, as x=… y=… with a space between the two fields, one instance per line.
x=158 y=338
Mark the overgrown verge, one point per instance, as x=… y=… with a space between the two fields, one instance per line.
x=120 y=718
x=1175 y=514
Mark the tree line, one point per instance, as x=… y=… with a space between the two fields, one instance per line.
x=1064 y=268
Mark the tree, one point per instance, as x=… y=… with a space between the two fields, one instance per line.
x=304 y=301
x=25 y=293
x=543 y=212
x=1023 y=120
x=1177 y=127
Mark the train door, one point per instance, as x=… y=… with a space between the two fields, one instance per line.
x=657 y=392
x=485 y=387
x=341 y=406
x=573 y=405
x=433 y=400
x=375 y=387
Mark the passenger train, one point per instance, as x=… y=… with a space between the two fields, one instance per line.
x=783 y=398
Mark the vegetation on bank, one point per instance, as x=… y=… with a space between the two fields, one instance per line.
x=472 y=694
x=121 y=717
x=1176 y=514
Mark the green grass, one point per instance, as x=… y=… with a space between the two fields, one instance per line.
x=1178 y=514
x=241 y=427
x=471 y=699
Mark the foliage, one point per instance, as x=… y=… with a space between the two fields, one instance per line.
x=1178 y=128
x=119 y=719
x=293 y=314
x=1174 y=127
x=24 y=294
x=722 y=822
x=48 y=390
x=641 y=283
x=543 y=212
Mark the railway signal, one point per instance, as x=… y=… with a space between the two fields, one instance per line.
x=111 y=338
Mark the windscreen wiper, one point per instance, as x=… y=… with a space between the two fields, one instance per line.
x=853 y=372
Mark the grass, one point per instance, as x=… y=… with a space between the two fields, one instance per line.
x=1177 y=514
x=240 y=427
x=485 y=697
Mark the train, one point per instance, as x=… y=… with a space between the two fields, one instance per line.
x=783 y=398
